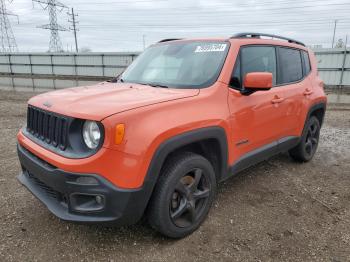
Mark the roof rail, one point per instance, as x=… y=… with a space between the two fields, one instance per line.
x=169 y=39
x=258 y=35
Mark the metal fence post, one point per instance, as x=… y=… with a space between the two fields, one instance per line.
x=103 y=65
x=11 y=72
x=53 y=72
x=31 y=71
x=343 y=65
x=75 y=69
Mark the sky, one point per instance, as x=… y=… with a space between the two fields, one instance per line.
x=125 y=25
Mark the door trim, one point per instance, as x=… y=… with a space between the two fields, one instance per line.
x=261 y=154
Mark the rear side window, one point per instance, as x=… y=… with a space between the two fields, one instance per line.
x=258 y=59
x=290 y=65
x=307 y=66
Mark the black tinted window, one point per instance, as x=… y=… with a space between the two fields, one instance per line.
x=290 y=65
x=306 y=62
x=236 y=75
x=258 y=59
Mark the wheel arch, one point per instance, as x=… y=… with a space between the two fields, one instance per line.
x=196 y=139
x=317 y=110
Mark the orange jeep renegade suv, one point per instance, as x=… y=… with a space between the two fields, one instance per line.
x=155 y=141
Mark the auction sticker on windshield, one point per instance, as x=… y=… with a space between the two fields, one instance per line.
x=210 y=48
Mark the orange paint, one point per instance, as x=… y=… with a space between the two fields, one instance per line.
x=150 y=116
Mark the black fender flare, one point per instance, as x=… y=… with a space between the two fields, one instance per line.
x=173 y=143
x=313 y=108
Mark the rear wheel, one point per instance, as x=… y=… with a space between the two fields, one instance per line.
x=307 y=146
x=183 y=195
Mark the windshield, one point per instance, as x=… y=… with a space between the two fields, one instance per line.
x=178 y=65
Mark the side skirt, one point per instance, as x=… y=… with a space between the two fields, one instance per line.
x=261 y=154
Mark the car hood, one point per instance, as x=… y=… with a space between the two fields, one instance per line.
x=102 y=100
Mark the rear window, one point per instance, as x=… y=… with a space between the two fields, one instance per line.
x=290 y=65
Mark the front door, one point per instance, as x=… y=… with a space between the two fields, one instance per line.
x=256 y=119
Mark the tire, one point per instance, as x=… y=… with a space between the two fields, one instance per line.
x=183 y=195
x=307 y=146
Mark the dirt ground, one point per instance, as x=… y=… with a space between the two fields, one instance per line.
x=276 y=211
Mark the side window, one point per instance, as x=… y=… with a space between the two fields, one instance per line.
x=290 y=65
x=258 y=59
x=307 y=65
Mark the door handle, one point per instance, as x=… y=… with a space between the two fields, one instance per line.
x=307 y=92
x=277 y=100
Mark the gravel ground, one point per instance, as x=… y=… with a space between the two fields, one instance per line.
x=276 y=211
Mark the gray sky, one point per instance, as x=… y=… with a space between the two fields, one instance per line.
x=119 y=25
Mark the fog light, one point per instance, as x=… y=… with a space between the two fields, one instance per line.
x=86 y=203
x=99 y=200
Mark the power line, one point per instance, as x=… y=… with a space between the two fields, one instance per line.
x=147 y=26
x=234 y=8
x=8 y=41
x=217 y=15
x=74 y=27
x=214 y=18
x=53 y=26
x=219 y=4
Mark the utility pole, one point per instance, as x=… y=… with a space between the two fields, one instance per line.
x=8 y=41
x=53 y=7
x=335 y=28
x=74 y=28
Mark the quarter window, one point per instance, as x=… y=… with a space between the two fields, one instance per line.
x=290 y=65
x=307 y=65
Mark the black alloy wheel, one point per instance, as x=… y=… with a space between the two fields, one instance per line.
x=312 y=137
x=189 y=198
x=307 y=146
x=183 y=195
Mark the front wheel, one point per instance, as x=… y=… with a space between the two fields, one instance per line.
x=183 y=195
x=307 y=146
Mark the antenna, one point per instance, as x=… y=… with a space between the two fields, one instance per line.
x=8 y=41
x=53 y=7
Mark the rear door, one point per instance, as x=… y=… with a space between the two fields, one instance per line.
x=255 y=118
x=293 y=80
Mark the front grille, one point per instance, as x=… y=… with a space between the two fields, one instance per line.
x=48 y=127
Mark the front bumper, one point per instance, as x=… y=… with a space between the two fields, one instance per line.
x=73 y=200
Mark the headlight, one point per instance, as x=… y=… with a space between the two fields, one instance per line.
x=91 y=134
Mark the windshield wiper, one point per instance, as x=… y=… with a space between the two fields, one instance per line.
x=158 y=85
x=153 y=85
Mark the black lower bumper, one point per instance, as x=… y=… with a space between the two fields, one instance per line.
x=80 y=197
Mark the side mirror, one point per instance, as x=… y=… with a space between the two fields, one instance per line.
x=258 y=81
